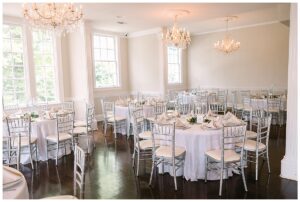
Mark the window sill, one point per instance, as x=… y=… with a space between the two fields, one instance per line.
x=108 y=89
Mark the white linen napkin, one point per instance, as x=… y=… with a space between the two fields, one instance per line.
x=180 y=124
x=10 y=177
x=162 y=119
x=231 y=120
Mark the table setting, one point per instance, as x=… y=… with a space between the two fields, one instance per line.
x=197 y=134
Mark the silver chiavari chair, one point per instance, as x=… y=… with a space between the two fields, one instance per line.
x=63 y=136
x=110 y=118
x=273 y=107
x=19 y=139
x=160 y=107
x=68 y=106
x=164 y=150
x=246 y=102
x=227 y=156
x=260 y=146
x=200 y=107
x=142 y=147
x=212 y=102
x=88 y=130
x=79 y=170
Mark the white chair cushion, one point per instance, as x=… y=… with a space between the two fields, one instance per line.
x=79 y=130
x=145 y=144
x=147 y=135
x=117 y=118
x=239 y=106
x=248 y=109
x=67 y=197
x=24 y=141
x=274 y=110
x=229 y=155
x=166 y=151
x=251 y=134
x=62 y=137
x=80 y=123
x=151 y=119
x=250 y=145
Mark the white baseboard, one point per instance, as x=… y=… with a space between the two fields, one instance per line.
x=289 y=168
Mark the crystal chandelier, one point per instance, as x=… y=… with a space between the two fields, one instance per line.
x=227 y=45
x=59 y=17
x=177 y=37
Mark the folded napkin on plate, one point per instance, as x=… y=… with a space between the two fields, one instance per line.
x=210 y=113
x=120 y=102
x=176 y=113
x=54 y=109
x=162 y=119
x=180 y=124
x=10 y=177
x=231 y=119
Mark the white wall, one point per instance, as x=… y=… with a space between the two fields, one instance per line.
x=144 y=64
x=261 y=61
x=148 y=68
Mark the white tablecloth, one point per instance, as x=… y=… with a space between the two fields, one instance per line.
x=123 y=111
x=197 y=141
x=17 y=191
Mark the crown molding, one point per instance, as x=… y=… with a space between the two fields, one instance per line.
x=145 y=32
x=238 y=27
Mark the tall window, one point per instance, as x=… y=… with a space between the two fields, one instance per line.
x=105 y=61
x=174 y=65
x=43 y=58
x=14 y=85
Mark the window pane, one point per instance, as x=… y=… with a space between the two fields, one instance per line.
x=174 y=66
x=105 y=63
x=14 y=84
x=44 y=66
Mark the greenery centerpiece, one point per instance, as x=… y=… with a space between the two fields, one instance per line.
x=192 y=120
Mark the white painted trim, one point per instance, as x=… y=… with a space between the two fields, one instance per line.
x=238 y=27
x=58 y=68
x=145 y=32
x=289 y=168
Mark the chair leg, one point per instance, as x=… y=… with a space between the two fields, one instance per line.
x=30 y=156
x=174 y=175
x=88 y=143
x=152 y=170
x=244 y=179
x=115 y=130
x=138 y=163
x=133 y=158
x=268 y=162
x=57 y=148
x=206 y=166
x=256 y=166
x=105 y=128
x=18 y=157
x=221 y=181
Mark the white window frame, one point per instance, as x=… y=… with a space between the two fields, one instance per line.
x=55 y=69
x=180 y=67
x=29 y=63
x=117 y=59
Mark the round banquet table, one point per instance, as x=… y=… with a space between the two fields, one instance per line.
x=41 y=128
x=196 y=142
x=123 y=111
x=17 y=191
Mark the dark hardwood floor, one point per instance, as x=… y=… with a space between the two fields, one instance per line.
x=109 y=175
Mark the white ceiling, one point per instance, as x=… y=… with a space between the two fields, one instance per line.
x=203 y=17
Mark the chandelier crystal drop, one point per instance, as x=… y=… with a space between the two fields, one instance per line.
x=59 y=17
x=177 y=37
x=227 y=44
